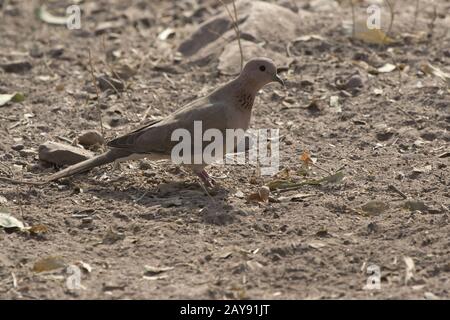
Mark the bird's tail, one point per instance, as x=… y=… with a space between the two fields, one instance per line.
x=102 y=159
x=107 y=157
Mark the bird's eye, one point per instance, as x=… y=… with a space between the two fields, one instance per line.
x=262 y=68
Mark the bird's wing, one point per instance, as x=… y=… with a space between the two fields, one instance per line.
x=156 y=138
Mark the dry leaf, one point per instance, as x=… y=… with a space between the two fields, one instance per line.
x=372 y=36
x=153 y=278
x=364 y=65
x=166 y=34
x=254 y=265
x=308 y=38
x=155 y=270
x=261 y=196
x=410 y=269
x=46 y=16
x=386 y=68
x=335 y=105
x=9 y=222
x=84 y=266
x=306 y=158
x=14 y=97
x=429 y=69
x=316 y=244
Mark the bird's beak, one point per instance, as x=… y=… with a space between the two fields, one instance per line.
x=278 y=79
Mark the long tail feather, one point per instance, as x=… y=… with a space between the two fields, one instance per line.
x=83 y=166
x=86 y=165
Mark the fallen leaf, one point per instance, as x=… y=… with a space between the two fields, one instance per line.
x=254 y=265
x=435 y=71
x=225 y=255
x=424 y=169
x=154 y=278
x=444 y=155
x=410 y=269
x=430 y=296
x=49 y=18
x=261 y=196
x=49 y=264
x=166 y=34
x=239 y=194
x=335 y=105
x=378 y=92
x=372 y=36
x=14 y=97
x=316 y=244
x=306 y=158
x=308 y=38
x=9 y=222
x=85 y=266
x=155 y=270
x=364 y=65
x=386 y=68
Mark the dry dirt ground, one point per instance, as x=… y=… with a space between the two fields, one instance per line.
x=392 y=131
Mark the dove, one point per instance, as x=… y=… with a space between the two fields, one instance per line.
x=227 y=107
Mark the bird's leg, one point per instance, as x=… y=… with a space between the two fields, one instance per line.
x=116 y=166
x=206 y=179
x=211 y=179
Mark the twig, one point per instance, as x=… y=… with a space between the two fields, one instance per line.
x=394 y=189
x=8 y=118
x=238 y=33
x=432 y=22
x=399 y=72
x=391 y=23
x=416 y=14
x=407 y=114
x=353 y=18
x=318 y=167
x=94 y=80
x=235 y=27
x=30 y=183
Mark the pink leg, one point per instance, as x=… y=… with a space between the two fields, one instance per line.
x=206 y=179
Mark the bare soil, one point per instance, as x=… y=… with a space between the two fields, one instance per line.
x=156 y=214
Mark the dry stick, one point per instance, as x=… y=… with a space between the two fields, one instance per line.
x=353 y=18
x=392 y=13
x=238 y=33
x=407 y=114
x=396 y=190
x=98 y=94
x=432 y=22
x=235 y=27
x=416 y=14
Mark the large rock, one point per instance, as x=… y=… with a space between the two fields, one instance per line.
x=259 y=22
x=90 y=138
x=230 y=59
x=62 y=154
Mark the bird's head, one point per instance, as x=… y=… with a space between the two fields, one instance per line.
x=261 y=71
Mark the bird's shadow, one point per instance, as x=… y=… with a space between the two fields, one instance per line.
x=173 y=198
